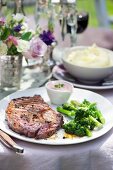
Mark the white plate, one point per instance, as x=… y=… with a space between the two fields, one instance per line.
x=79 y=94
x=61 y=74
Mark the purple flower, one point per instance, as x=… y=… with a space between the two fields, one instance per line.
x=47 y=37
x=38 y=47
x=17 y=28
x=2 y=21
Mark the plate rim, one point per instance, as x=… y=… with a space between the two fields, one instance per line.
x=90 y=87
x=50 y=142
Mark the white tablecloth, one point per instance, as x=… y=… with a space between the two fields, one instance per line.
x=93 y=155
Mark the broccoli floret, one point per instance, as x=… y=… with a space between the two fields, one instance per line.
x=85 y=117
x=95 y=122
x=81 y=112
x=89 y=122
x=84 y=122
x=69 y=106
x=75 y=128
x=66 y=112
x=100 y=117
x=93 y=111
x=75 y=103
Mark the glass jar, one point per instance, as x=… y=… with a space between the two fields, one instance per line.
x=10 y=72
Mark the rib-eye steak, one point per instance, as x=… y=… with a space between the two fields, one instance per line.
x=33 y=117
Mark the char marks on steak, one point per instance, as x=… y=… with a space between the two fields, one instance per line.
x=33 y=117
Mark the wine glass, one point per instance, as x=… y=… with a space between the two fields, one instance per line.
x=3 y=4
x=82 y=21
x=41 y=13
x=19 y=7
x=72 y=28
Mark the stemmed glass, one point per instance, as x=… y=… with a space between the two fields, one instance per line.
x=44 y=17
x=41 y=12
x=72 y=26
x=82 y=21
x=2 y=4
x=67 y=19
x=19 y=8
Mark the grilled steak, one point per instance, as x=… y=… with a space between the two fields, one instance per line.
x=32 y=117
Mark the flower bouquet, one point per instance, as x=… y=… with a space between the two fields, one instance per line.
x=16 y=40
x=41 y=46
x=14 y=33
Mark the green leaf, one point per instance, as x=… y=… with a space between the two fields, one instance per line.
x=12 y=50
x=5 y=34
x=27 y=36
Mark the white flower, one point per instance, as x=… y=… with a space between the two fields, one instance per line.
x=18 y=17
x=32 y=31
x=22 y=46
x=24 y=28
x=3 y=48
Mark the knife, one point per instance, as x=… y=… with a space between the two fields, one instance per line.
x=7 y=141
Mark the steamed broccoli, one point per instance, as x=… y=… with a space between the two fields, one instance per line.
x=93 y=110
x=66 y=112
x=69 y=106
x=75 y=128
x=86 y=116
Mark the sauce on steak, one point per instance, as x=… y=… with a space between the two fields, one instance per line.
x=33 y=117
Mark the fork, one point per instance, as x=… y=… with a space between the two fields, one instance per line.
x=8 y=142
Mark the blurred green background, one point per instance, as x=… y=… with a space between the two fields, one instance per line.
x=89 y=5
x=85 y=5
x=82 y=5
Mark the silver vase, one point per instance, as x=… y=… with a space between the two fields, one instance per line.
x=10 y=72
x=48 y=60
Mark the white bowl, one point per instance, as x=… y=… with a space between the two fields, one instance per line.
x=85 y=74
x=59 y=95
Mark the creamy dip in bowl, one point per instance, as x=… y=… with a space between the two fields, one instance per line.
x=59 y=91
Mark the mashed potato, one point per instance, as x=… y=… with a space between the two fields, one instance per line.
x=90 y=57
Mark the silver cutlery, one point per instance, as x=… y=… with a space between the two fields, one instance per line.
x=8 y=142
